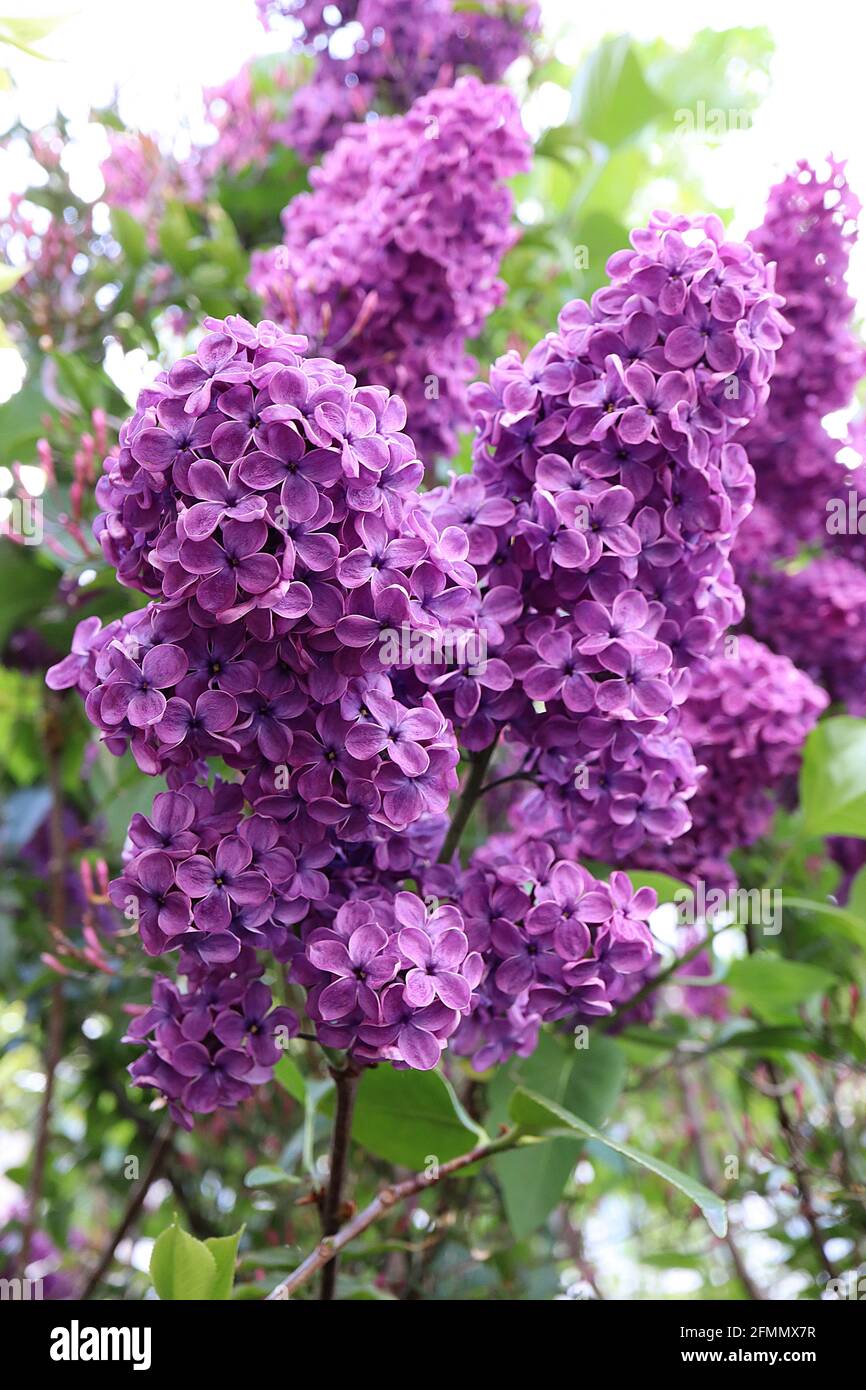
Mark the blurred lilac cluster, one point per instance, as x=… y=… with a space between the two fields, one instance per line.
x=747 y=717
x=812 y=607
x=385 y=54
x=391 y=263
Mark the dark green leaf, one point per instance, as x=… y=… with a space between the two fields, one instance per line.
x=409 y=1117
x=587 y=1080
x=833 y=778
x=539 y=1116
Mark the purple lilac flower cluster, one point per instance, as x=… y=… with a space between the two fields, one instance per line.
x=808 y=231
x=47 y=1267
x=850 y=854
x=387 y=979
x=391 y=262
x=815 y=614
x=267 y=503
x=389 y=53
x=248 y=116
x=747 y=716
x=556 y=943
x=208 y=1046
x=606 y=492
x=141 y=178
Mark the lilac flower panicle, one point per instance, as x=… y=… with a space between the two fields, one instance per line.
x=607 y=490
x=814 y=613
x=399 y=50
x=391 y=262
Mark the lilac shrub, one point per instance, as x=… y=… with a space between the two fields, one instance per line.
x=267 y=506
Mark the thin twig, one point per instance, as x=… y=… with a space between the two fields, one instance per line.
x=512 y=777
x=692 y=1106
x=158 y=1154
x=346 y=1081
x=799 y=1169
x=798 y=1165
x=53 y=734
x=328 y=1248
x=468 y=797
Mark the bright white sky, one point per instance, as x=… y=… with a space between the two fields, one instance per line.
x=159 y=55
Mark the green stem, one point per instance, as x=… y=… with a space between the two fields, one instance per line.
x=468 y=797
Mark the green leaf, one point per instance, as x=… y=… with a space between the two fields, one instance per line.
x=560 y=142
x=856 y=904
x=723 y=68
x=738 y=1033
x=225 y=1253
x=587 y=1080
x=182 y=1267
x=21 y=424
x=176 y=232
x=611 y=99
x=131 y=235
x=289 y=1076
x=10 y=275
x=408 y=1117
x=601 y=235
x=23 y=34
x=848 y=922
x=121 y=789
x=668 y=889
x=27 y=582
x=22 y=812
x=773 y=987
x=833 y=778
x=267 y=1175
x=539 y=1116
